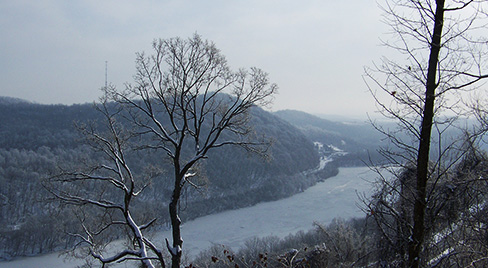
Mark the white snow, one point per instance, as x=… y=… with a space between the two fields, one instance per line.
x=334 y=148
x=323 y=161
x=319 y=145
x=175 y=250
x=335 y=197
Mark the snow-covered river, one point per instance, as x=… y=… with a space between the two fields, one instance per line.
x=335 y=197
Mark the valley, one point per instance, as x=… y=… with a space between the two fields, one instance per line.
x=335 y=197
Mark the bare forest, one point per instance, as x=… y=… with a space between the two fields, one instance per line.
x=191 y=136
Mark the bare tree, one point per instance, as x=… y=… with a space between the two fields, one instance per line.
x=185 y=101
x=111 y=187
x=188 y=100
x=442 y=60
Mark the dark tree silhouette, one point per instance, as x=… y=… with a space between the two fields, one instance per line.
x=443 y=59
x=185 y=101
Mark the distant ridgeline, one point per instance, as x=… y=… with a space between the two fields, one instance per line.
x=348 y=144
x=35 y=140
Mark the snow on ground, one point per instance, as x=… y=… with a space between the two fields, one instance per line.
x=335 y=197
x=319 y=145
x=326 y=155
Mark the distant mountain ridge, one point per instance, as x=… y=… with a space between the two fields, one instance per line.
x=359 y=141
x=360 y=132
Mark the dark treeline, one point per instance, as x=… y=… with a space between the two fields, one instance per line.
x=36 y=141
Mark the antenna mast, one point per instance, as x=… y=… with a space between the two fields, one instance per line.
x=106 y=74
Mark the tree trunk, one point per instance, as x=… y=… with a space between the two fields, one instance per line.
x=176 y=250
x=420 y=205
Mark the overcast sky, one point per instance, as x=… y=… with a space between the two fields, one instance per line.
x=54 y=51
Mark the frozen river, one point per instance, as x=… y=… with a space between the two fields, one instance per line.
x=335 y=197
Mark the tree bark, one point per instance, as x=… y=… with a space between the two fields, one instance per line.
x=418 y=234
x=176 y=222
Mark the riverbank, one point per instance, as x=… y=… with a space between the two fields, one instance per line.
x=332 y=198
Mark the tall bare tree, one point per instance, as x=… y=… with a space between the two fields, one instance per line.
x=185 y=101
x=442 y=54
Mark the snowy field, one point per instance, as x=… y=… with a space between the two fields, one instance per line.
x=333 y=198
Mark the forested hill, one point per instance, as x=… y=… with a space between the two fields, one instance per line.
x=30 y=126
x=351 y=144
x=35 y=140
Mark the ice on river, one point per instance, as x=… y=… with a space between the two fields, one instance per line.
x=333 y=198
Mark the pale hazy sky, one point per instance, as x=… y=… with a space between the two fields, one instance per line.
x=54 y=51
